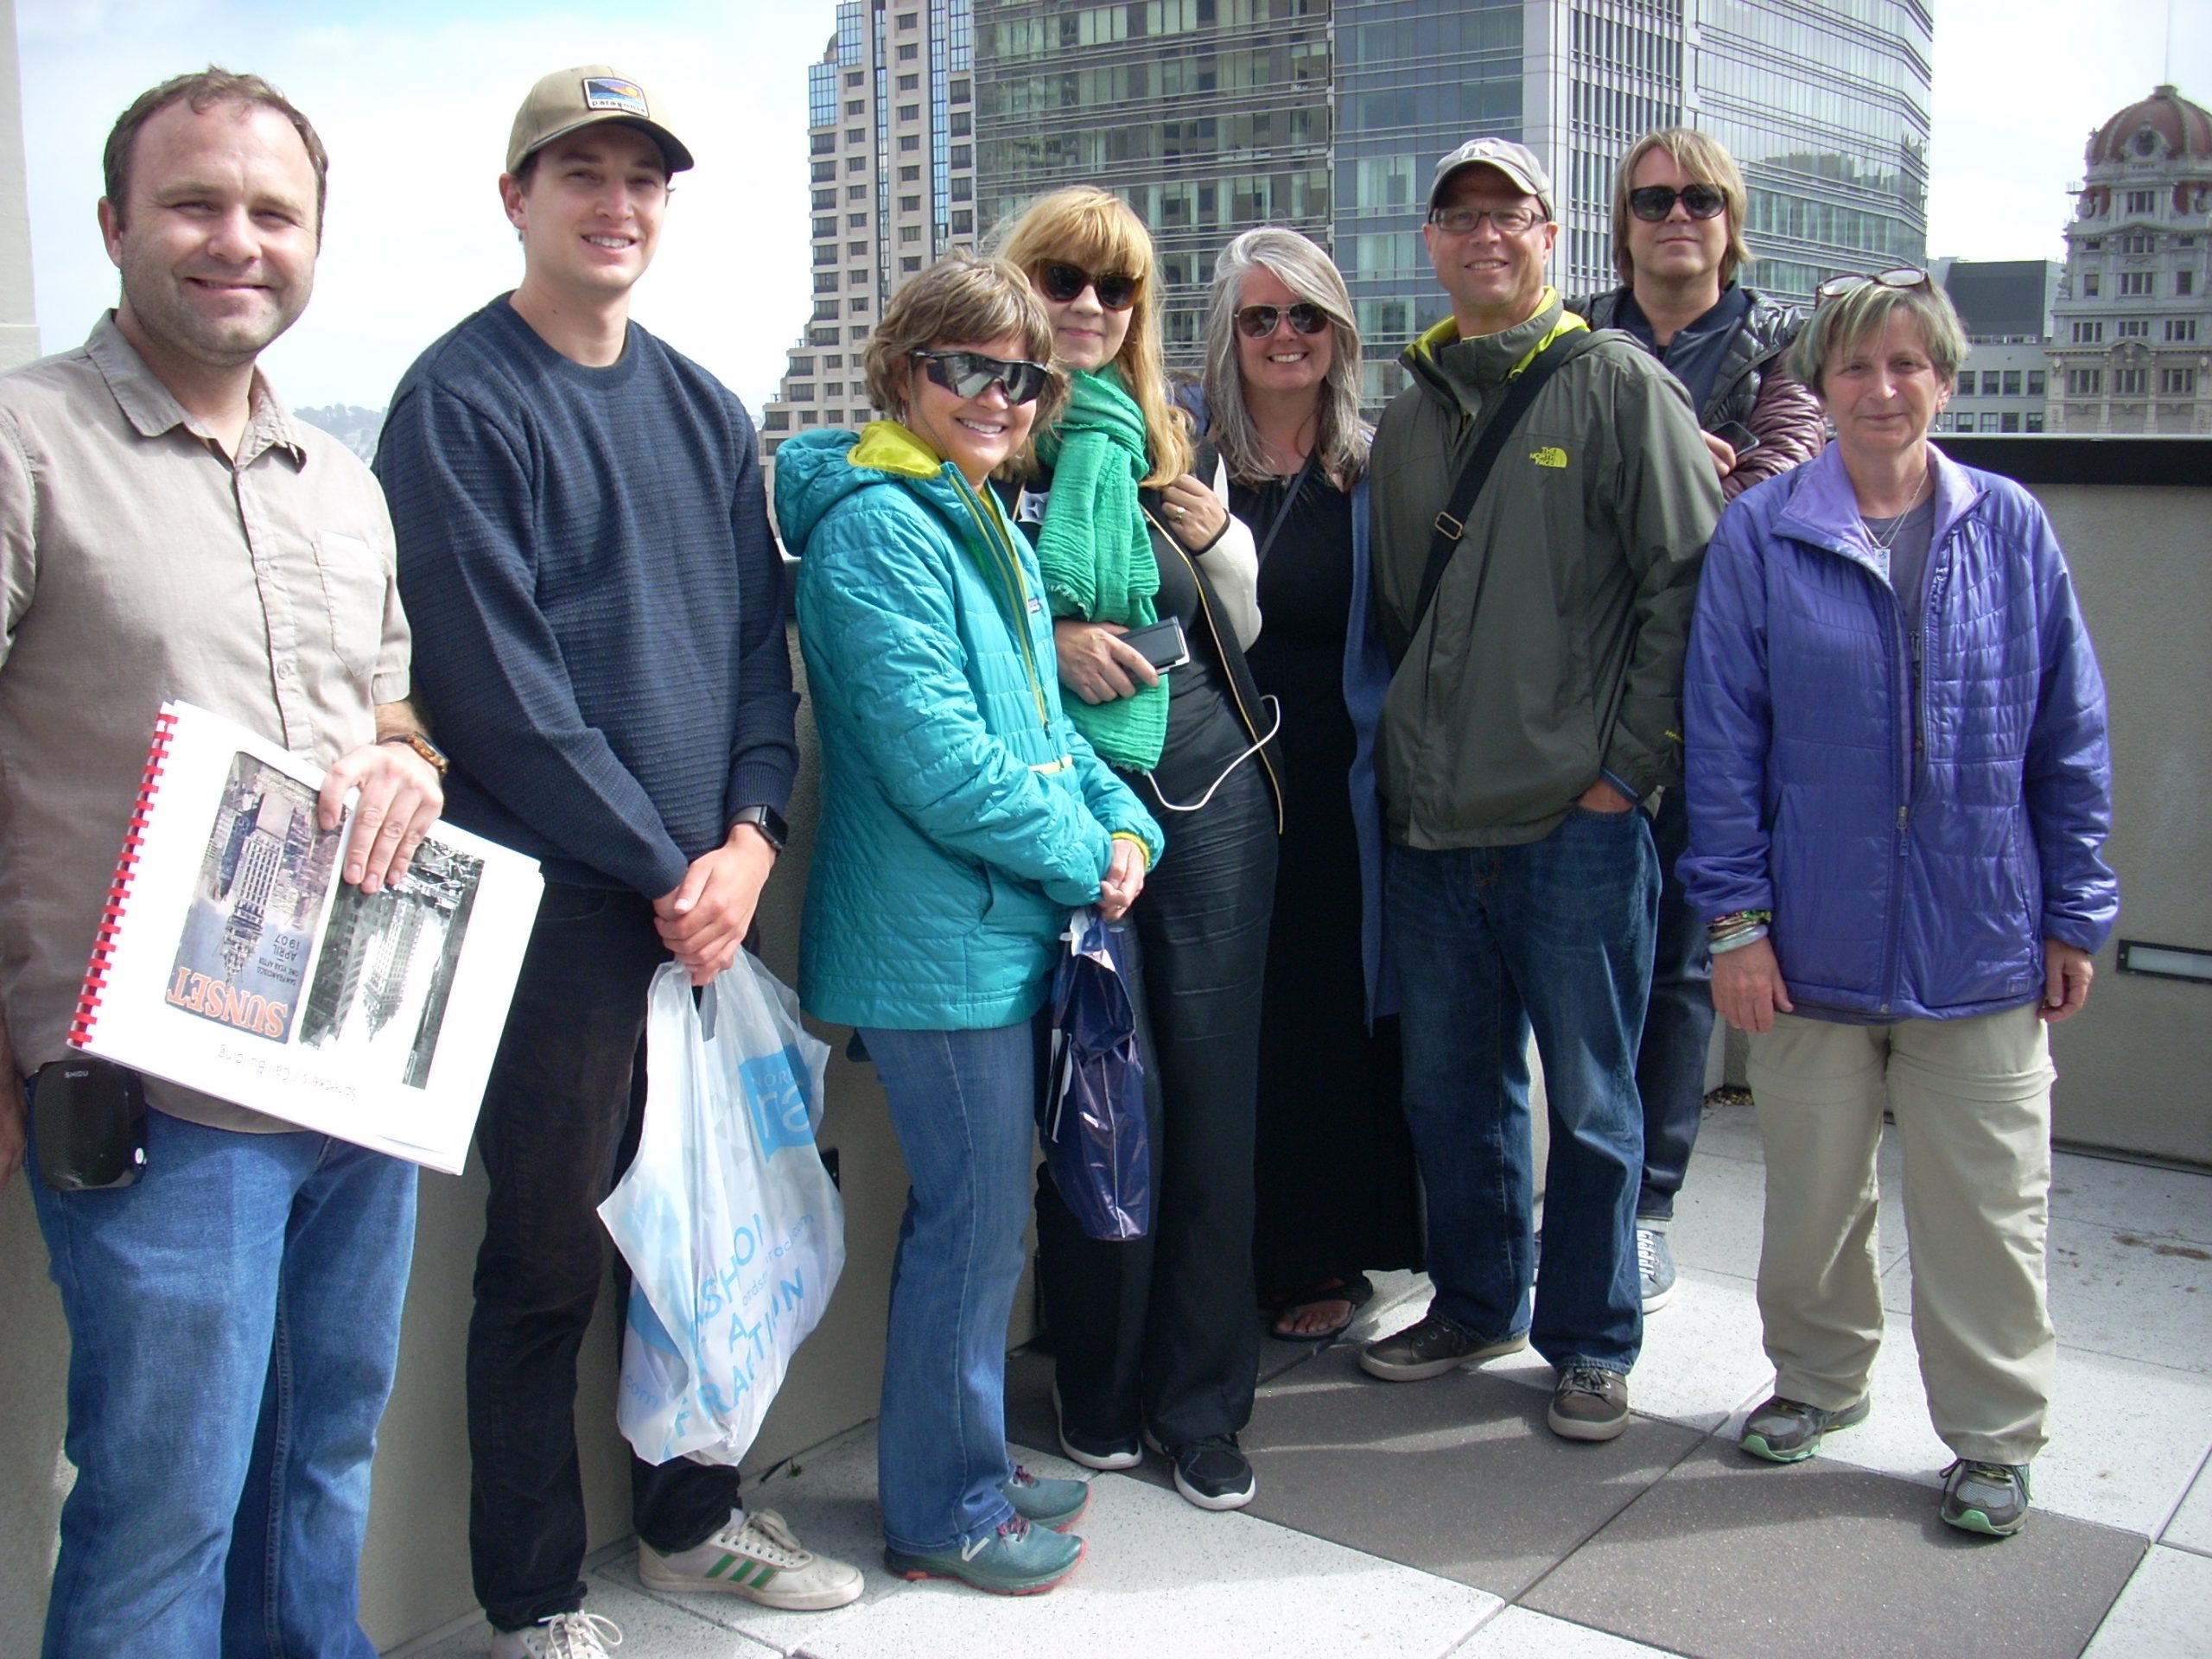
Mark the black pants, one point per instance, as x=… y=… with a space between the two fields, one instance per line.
x=1161 y=1329
x=1677 y=1024
x=560 y=1122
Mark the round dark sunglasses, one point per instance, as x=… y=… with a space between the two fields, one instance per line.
x=970 y=374
x=1061 y=283
x=1258 y=322
x=1655 y=201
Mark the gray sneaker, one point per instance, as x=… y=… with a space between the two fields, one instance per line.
x=1588 y=1403
x=1654 y=1268
x=1431 y=1347
x=1789 y=1431
x=1991 y=1498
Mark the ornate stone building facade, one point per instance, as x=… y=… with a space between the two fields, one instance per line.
x=2131 y=348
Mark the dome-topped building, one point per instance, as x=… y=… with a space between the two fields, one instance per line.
x=2131 y=327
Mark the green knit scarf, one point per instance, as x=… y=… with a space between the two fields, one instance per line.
x=1095 y=552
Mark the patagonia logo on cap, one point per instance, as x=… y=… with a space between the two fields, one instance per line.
x=605 y=92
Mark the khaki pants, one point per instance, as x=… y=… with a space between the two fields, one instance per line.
x=1972 y=1099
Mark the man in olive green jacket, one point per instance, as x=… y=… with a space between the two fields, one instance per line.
x=1532 y=707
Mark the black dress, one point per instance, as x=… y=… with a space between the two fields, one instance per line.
x=1337 y=1186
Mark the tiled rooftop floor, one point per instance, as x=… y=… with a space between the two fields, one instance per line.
x=1443 y=1518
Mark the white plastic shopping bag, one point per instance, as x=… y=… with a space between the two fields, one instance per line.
x=732 y=1229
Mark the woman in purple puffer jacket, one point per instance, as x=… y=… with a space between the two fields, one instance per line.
x=1899 y=790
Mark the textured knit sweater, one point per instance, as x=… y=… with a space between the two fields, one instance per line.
x=597 y=601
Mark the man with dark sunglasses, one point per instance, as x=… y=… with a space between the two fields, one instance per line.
x=1678 y=244
x=584 y=540
x=1536 y=622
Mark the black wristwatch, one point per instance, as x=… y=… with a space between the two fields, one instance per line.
x=769 y=822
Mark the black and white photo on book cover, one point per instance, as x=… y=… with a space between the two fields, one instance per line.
x=238 y=963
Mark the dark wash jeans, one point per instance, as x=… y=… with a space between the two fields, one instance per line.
x=560 y=1122
x=1491 y=941
x=1161 y=1329
x=1678 y=1025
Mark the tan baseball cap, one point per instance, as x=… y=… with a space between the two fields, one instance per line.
x=1517 y=161
x=569 y=98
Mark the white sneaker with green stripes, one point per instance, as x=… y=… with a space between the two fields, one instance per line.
x=754 y=1556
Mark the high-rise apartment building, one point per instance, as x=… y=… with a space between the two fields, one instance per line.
x=2131 y=348
x=2005 y=307
x=1211 y=116
x=891 y=161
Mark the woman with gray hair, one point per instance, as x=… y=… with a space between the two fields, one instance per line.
x=1899 y=790
x=1335 y=1164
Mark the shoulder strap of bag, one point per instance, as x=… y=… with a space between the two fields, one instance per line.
x=1451 y=523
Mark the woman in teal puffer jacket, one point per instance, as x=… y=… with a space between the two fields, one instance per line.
x=963 y=816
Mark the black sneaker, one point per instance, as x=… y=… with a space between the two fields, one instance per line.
x=1991 y=1498
x=1432 y=1347
x=1588 y=1403
x=1789 y=1431
x=1213 y=1472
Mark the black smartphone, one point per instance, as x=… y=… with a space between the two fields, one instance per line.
x=1161 y=643
x=91 y=1123
x=1736 y=436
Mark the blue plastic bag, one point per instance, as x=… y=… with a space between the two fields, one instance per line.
x=732 y=1229
x=1090 y=1117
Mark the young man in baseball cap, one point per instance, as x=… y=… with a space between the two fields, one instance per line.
x=600 y=627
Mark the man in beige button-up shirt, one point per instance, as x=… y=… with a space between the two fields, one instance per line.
x=167 y=529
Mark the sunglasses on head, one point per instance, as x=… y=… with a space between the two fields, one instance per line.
x=1655 y=201
x=1901 y=277
x=1060 y=282
x=1258 y=322
x=970 y=374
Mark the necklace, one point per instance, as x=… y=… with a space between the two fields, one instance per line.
x=1883 y=544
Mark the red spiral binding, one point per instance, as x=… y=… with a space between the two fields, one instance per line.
x=118 y=892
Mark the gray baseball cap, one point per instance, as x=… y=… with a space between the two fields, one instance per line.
x=1517 y=161
x=591 y=92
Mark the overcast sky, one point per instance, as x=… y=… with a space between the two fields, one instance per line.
x=414 y=99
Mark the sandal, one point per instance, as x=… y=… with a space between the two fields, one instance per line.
x=1354 y=1291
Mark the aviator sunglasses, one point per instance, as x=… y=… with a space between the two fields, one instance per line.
x=1060 y=282
x=1258 y=322
x=970 y=374
x=1902 y=277
x=1655 y=201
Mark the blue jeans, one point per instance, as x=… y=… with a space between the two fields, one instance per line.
x=964 y=1103
x=1677 y=1026
x=234 y=1325
x=1556 y=935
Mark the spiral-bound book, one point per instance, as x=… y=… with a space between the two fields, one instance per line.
x=231 y=959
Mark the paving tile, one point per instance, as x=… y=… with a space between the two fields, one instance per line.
x=2131 y=1197
x=2161 y=1612
x=1517 y=1633
x=828 y=1496
x=1717 y=1216
x=2104 y=1412
x=648 y=1625
x=1457 y=1475
x=1161 y=1577
x=2133 y=1294
x=1872 y=1572
x=2191 y=1527
x=1728 y=1132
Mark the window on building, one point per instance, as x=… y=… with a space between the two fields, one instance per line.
x=963 y=222
x=2092 y=243
x=809 y=417
x=833 y=417
x=825 y=308
x=2008 y=423
x=910 y=232
x=2141 y=201
x=2085 y=382
x=906 y=20
x=856 y=249
x=963 y=188
x=835 y=360
x=2177 y=382
x=854 y=78
x=855 y=192
x=2011 y=383
x=911 y=264
x=962 y=155
x=909 y=142
x=910 y=111
x=825 y=281
x=2089 y=286
x=855 y=164
x=2184 y=282
x=826 y=199
x=821 y=143
x=958 y=91
x=1989 y=383
x=834 y=389
x=826 y=226
x=910 y=53
x=856 y=334
x=2135 y=284
x=909 y=83
x=822 y=336
x=824 y=170
x=856 y=221
x=2180 y=330
x=958 y=125
x=2128 y=383
x=2088 y=333
x=2139 y=242
x=800 y=391
x=2133 y=328
x=777 y=420
x=2035 y=420
x=1989 y=422
x=855 y=106
x=910 y=175
x=910 y=204
x=857 y=305
x=855 y=135
x=2035 y=383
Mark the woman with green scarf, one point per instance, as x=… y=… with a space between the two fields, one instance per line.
x=1156 y=1339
